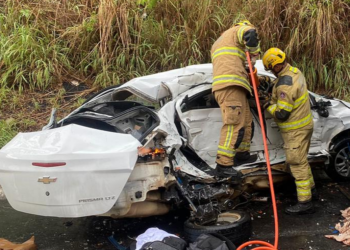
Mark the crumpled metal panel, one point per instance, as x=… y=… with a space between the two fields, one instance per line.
x=144 y=178
x=157 y=86
x=337 y=121
x=167 y=126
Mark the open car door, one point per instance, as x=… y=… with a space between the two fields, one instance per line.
x=200 y=123
x=200 y=119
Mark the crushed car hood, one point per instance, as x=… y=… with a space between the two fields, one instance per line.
x=92 y=167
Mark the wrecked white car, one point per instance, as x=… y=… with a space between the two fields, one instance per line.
x=149 y=145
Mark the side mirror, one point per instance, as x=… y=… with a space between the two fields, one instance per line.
x=184 y=103
x=321 y=108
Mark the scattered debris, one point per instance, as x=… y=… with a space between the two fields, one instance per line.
x=262 y=199
x=75 y=83
x=343 y=228
x=332 y=184
x=68 y=223
x=115 y=243
x=28 y=245
x=152 y=234
x=333 y=208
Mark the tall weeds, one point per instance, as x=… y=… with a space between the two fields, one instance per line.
x=108 y=42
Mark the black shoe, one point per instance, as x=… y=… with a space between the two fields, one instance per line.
x=227 y=171
x=244 y=158
x=315 y=195
x=242 y=155
x=301 y=208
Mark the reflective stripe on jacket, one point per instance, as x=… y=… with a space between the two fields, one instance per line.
x=290 y=103
x=228 y=59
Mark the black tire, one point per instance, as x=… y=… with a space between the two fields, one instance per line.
x=234 y=225
x=339 y=167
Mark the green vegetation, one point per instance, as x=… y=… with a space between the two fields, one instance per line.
x=107 y=42
x=8 y=130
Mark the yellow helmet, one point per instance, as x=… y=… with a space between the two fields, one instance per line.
x=273 y=57
x=244 y=22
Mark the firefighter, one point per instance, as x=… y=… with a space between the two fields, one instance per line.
x=230 y=88
x=290 y=107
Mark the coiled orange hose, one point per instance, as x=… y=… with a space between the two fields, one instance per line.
x=263 y=245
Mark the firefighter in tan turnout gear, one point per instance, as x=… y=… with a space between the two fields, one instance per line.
x=231 y=87
x=290 y=107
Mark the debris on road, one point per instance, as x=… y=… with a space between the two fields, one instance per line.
x=68 y=223
x=7 y=245
x=152 y=234
x=343 y=228
x=262 y=199
x=115 y=243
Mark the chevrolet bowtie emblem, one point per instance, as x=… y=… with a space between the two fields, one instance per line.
x=47 y=180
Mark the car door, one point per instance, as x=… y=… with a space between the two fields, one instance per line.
x=274 y=138
x=274 y=134
x=200 y=123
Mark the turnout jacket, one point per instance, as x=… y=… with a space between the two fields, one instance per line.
x=290 y=104
x=228 y=57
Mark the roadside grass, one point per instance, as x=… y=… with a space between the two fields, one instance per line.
x=29 y=55
x=8 y=130
x=103 y=43
x=30 y=111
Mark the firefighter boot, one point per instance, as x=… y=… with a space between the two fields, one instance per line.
x=301 y=208
x=244 y=158
x=225 y=172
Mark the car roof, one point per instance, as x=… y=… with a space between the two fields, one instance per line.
x=170 y=84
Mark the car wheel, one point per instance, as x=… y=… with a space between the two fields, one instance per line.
x=234 y=225
x=339 y=167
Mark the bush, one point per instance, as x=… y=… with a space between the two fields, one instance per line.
x=108 y=42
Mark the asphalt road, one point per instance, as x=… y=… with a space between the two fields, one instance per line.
x=296 y=232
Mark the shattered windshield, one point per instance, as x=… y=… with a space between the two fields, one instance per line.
x=143 y=101
x=129 y=95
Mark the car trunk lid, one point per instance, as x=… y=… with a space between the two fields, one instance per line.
x=71 y=171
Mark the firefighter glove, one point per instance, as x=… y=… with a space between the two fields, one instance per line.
x=265 y=103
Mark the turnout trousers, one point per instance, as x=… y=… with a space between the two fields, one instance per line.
x=236 y=130
x=296 y=146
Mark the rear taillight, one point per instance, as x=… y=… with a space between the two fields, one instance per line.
x=48 y=164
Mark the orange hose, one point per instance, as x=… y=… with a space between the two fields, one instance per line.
x=264 y=245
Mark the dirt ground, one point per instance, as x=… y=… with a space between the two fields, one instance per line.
x=304 y=232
